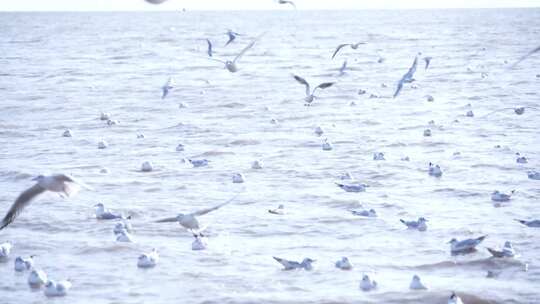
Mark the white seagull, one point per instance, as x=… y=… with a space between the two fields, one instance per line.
x=353 y=187
x=290 y=265
x=57 y=289
x=367 y=284
x=148 y=260
x=106 y=214
x=344 y=264
x=416 y=283
x=22 y=264
x=230 y=65
x=407 y=77
x=506 y=252
x=353 y=46
x=5 y=250
x=61 y=183
x=36 y=278
x=465 y=246
x=310 y=95
x=190 y=221
x=419 y=225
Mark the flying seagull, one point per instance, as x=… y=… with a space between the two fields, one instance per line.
x=209 y=47
x=525 y=56
x=343 y=67
x=353 y=46
x=155 y=1
x=231 y=65
x=407 y=77
x=190 y=221
x=232 y=35
x=166 y=88
x=62 y=183
x=310 y=95
x=427 y=60
x=287 y=2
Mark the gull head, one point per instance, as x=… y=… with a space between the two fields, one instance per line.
x=39 y=178
x=422 y=220
x=452 y=241
x=231 y=66
x=508 y=244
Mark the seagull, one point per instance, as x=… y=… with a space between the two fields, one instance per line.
x=465 y=246
x=231 y=65
x=416 y=283
x=419 y=225
x=533 y=175
x=62 y=183
x=378 y=156
x=190 y=221
x=427 y=60
x=54 y=289
x=407 y=77
x=257 y=164
x=343 y=67
x=155 y=1
x=166 y=88
x=106 y=214
x=310 y=95
x=123 y=236
x=36 y=278
x=353 y=187
x=238 y=178
x=367 y=284
x=327 y=146
x=148 y=260
x=532 y=223
x=287 y=2
x=289 y=265
x=497 y=196
x=454 y=299
x=209 y=47
x=22 y=264
x=279 y=210
x=506 y=252
x=344 y=264
x=366 y=213
x=434 y=170
x=353 y=46
x=198 y=162
x=525 y=56
x=5 y=249
x=232 y=35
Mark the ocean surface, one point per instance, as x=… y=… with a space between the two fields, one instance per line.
x=61 y=70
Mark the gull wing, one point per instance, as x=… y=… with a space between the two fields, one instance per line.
x=250 y=45
x=412 y=69
x=209 y=47
x=427 y=60
x=22 y=201
x=525 y=56
x=208 y=210
x=323 y=86
x=231 y=37
x=168 y=220
x=71 y=179
x=304 y=82
x=287 y=2
x=398 y=89
x=339 y=48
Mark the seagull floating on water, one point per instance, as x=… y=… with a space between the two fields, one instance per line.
x=67 y=133
x=419 y=225
x=533 y=175
x=364 y=213
x=279 y=210
x=257 y=164
x=367 y=284
x=105 y=116
x=497 y=196
x=378 y=156
x=506 y=252
x=124 y=236
x=106 y=214
x=434 y=170
x=344 y=264
x=358 y=187
x=238 y=178
x=147 y=166
x=120 y=227
x=5 y=250
x=416 y=283
x=54 y=289
x=198 y=162
x=290 y=265
x=190 y=221
x=148 y=260
x=465 y=246
x=310 y=95
x=319 y=131
x=61 y=183
x=532 y=223
x=36 y=278
x=327 y=146
x=22 y=264
x=353 y=46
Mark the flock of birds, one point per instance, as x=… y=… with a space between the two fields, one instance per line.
x=66 y=186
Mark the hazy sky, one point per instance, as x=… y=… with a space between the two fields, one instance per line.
x=112 y=5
